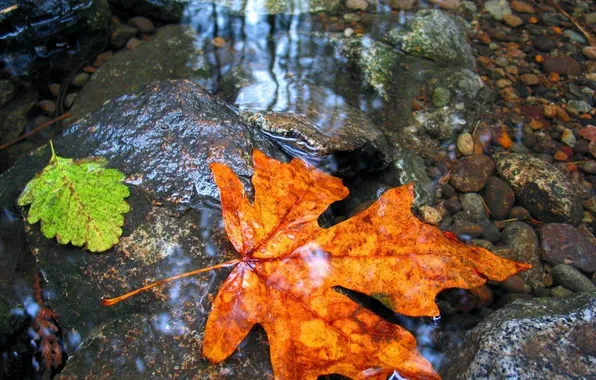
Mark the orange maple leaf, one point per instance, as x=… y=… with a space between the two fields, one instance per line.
x=289 y=265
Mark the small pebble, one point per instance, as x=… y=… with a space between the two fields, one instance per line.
x=430 y=215
x=47 y=106
x=357 y=5
x=102 y=58
x=55 y=89
x=69 y=99
x=80 y=80
x=142 y=24
x=133 y=43
x=465 y=144
x=568 y=138
x=521 y=7
x=121 y=34
x=513 y=21
x=519 y=213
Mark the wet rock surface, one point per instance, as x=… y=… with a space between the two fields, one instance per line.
x=543 y=338
x=565 y=244
x=471 y=173
x=38 y=35
x=170 y=54
x=541 y=188
x=524 y=246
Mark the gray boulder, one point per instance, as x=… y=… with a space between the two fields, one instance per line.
x=539 y=339
x=541 y=188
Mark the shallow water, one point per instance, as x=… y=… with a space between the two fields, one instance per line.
x=332 y=87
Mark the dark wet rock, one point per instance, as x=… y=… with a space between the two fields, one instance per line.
x=519 y=213
x=165 y=10
x=466 y=230
x=47 y=106
x=562 y=65
x=539 y=339
x=471 y=173
x=565 y=244
x=121 y=34
x=142 y=24
x=7 y=91
x=541 y=188
x=172 y=55
x=523 y=246
x=510 y=298
x=516 y=284
x=13 y=116
x=571 y=278
x=490 y=232
x=163 y=138
x=435 y=35
x=452 y=206
x=134 y=346
x=339 y=139
x=545 y=43
x=473 y=208
x=499 y=197
x=45 y=34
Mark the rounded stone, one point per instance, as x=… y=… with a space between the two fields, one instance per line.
x=430 y=215
x=524 y=247
x=513 y=21
x=562 y=65
x=142 y=24
x=541 y=188
x=471 y=173
x=441 y=97
x=80 y=80
x=121 y=34
x=571 y=278
x=360 y=5
x=565 y=244
x=530 y=79
x=465 y=144
x=47 y=106
x=499 y=197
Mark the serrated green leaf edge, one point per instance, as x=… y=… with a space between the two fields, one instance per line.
x=79 y=202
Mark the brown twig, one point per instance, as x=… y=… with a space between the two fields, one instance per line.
x=589 y=37
x=44 y=125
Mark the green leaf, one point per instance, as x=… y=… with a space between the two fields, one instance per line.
x=79 y=202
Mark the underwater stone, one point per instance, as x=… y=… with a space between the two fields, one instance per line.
x=435 y=35
x=541 y=188
x=545 y=338
x=441 y=97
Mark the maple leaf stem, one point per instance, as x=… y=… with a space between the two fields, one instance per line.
x=113 y=301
